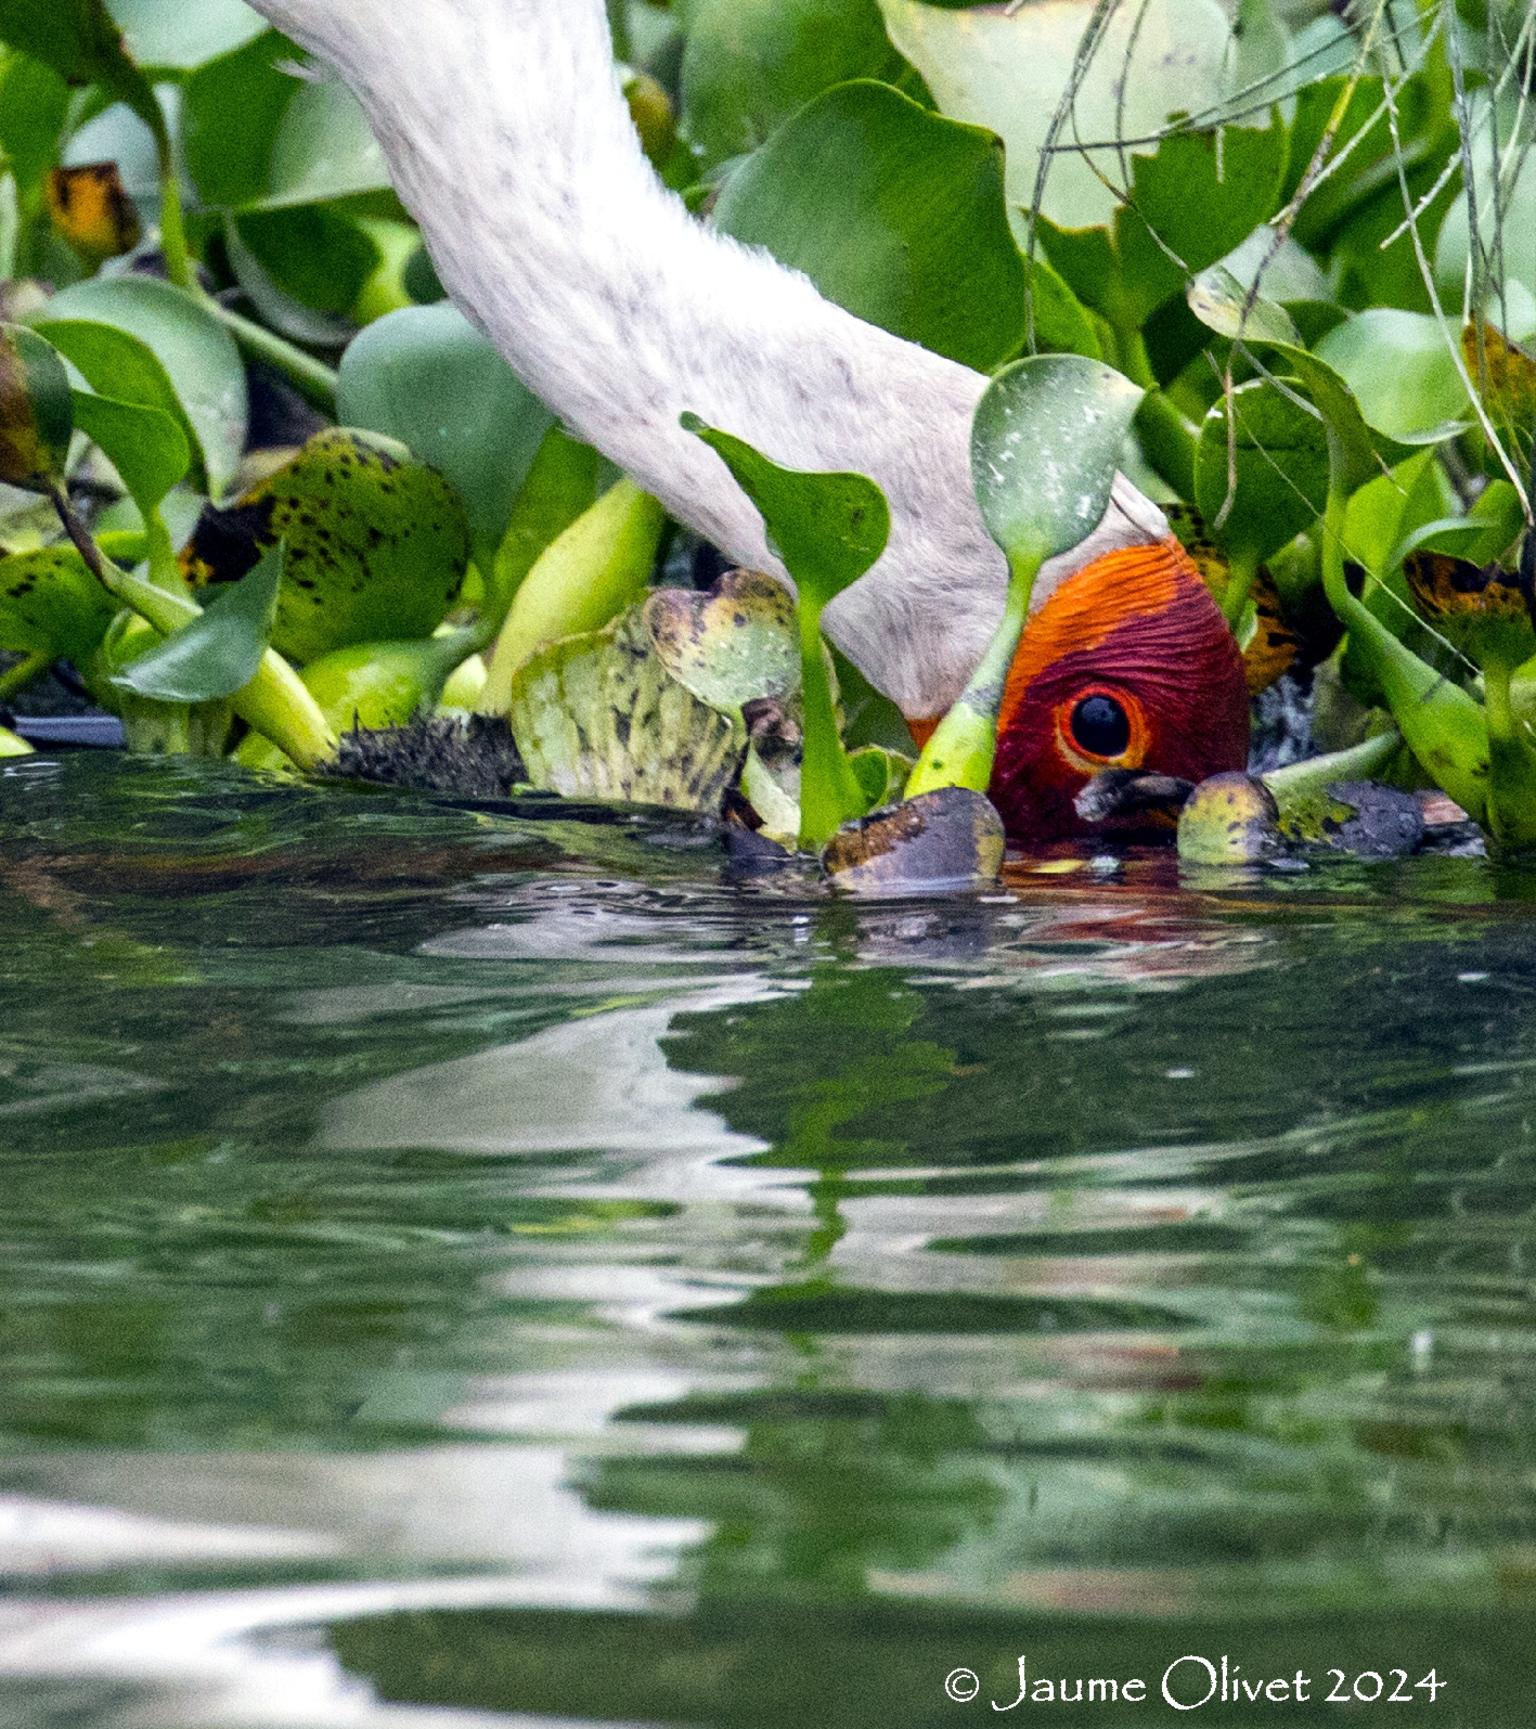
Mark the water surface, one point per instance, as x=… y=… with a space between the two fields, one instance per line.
x=469 y=1269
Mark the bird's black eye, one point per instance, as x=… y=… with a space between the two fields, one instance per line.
x=1100 y=727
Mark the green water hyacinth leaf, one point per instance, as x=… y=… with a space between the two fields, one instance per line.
x=827 y=529
x=893 y=212
x=1006 y=68
x=147 y=448
x=748 y=65
x=427 y=377
x=1261 y=469
x=36 y=415
x=1045 y=446
x=51 y=604
x=1221 y=303
x=171 y=35
x=599 y=716
x=1403 y=373
x=198 y=363
x=82 y=43
x=377 y=543
x=12 y=747
x=218 y=653
x=734 y=645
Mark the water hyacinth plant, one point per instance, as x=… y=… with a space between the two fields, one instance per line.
x=1299 y=315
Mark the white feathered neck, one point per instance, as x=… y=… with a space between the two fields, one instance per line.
x=511 y=144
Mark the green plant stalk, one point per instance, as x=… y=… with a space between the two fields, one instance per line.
x=173 y=223
x=316 y=382
x=18 y=677
x=275 y=702
x=1244 y=572
x=964 y=744
x=830 y=791
x=1167 y=441
x=1512 y=761
x=1360 y=762
x=1441 y=724
x=581 y=581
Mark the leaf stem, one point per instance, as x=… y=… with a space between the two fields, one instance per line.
x=316 y=382
x=830 y=793
x=275 y=703
x=18 y=677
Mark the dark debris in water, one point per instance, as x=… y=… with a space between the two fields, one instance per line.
x=462 y=757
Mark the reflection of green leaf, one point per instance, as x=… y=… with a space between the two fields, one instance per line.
x=428 y=378
x=36 y=416
x=220 y=652
x=377 y=543
x=196 y=355
x=893 y=212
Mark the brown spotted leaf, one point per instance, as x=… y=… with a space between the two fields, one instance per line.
x=1506 y=375
x=36 y=416
x=377 y=543
x=1480 y=608
x=734 y=645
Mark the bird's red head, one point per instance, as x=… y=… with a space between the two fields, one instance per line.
x=1128 y=664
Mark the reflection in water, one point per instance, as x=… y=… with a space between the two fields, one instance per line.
x=510 y=1270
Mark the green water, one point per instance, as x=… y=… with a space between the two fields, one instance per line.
x=463 y=1271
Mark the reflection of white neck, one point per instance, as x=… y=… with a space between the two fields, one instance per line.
x=512 y=146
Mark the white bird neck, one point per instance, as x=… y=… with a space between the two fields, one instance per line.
x=512 y=146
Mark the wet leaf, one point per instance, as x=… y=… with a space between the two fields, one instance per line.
x=92 y=211
x=893 y=212
x=427 y=377
x=196 y=355
x=220 y=652
x=1229 y=819
x=1044 y=449
x=1360 y=818
x=943 y=840
x=377 y=544
x=731 y=646
x=599 y=716
x=36 y=417
x=51 y=604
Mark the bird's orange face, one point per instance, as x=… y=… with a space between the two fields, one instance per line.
x=1129 y=664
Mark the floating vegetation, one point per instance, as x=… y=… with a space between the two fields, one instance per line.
x=1300 y=315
